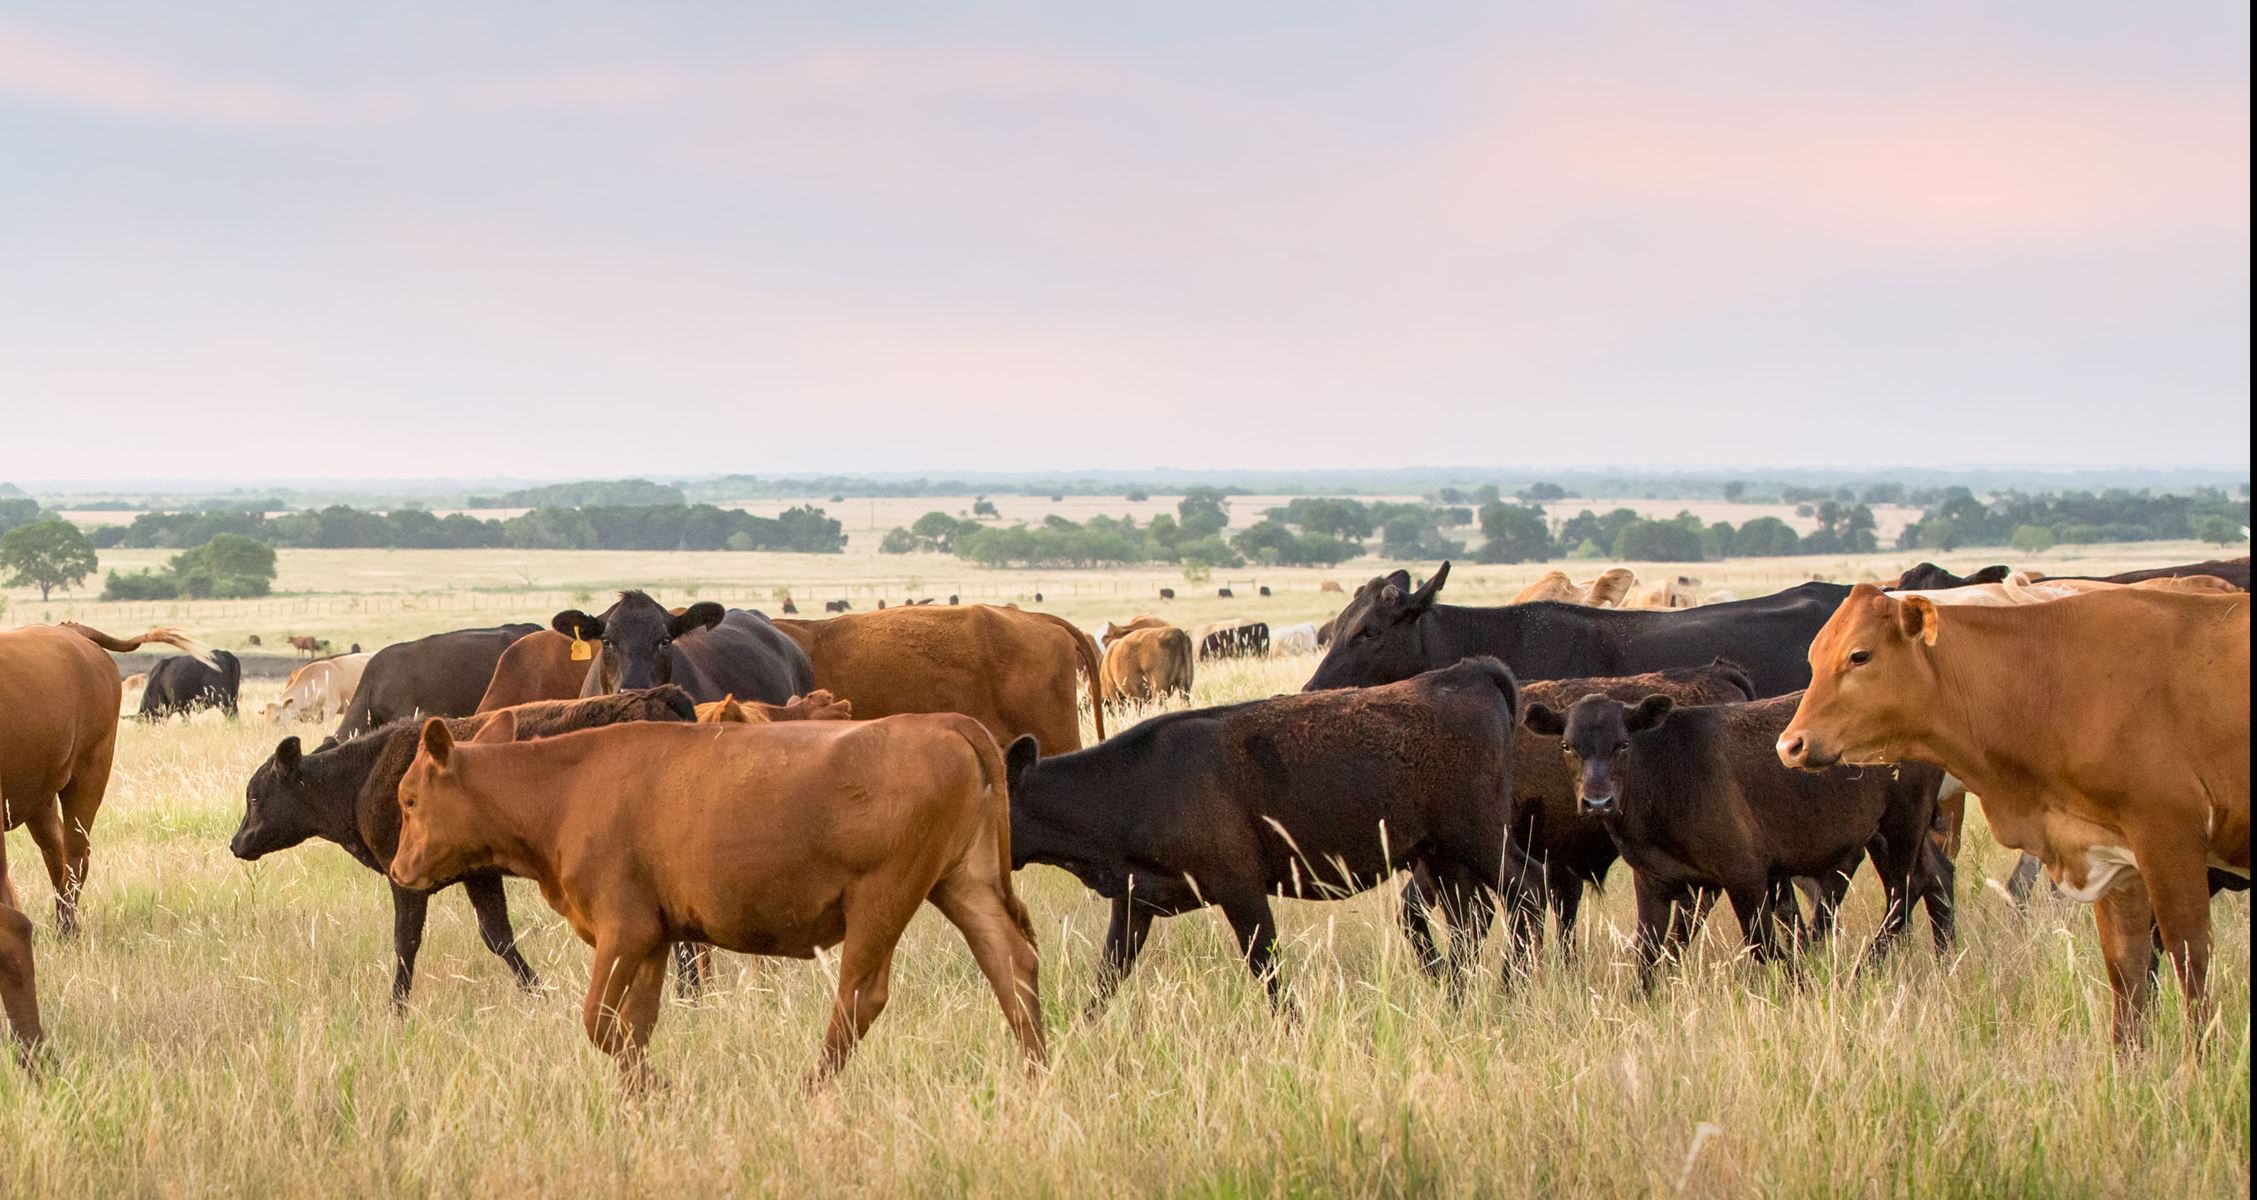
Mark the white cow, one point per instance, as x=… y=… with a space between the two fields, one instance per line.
x=318 y=688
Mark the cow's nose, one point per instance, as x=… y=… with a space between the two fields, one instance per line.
x=1793 y=747
x=1598 y=804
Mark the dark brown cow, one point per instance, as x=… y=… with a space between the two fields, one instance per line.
x=59 y=699
x=2108 y=734
x=538 y=666
x=776 y=839
x=1012 y=671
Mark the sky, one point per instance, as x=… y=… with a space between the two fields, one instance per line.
x=560 y=240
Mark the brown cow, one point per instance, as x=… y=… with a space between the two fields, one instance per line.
x=1144 y=665
x=61 y=696
x=817 y=705
x=1010 y=670
x=1551 y=585
x=768 y=839
x=2107 y=734
x=307 y=646
x=1329 y=585
x=538 y=666
x=1113 y=629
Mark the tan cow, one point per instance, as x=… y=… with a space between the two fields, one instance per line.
x=1682 y=592
x=318 y=689
x=817 y=705
x=60 y=695
x=1553 y=586
x=1113 y=629
x=1611 y=588
x=1144 y=665
x=129 y=693
x=1012 y=671
x=2107 y=734
x=780 y=839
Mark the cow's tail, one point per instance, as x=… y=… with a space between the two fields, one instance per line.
x=1085 y=647
x=1502 y=676
x=995 y=783
x=162 y=634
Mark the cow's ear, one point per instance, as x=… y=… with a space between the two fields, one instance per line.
x=1916 y=618
x=1423 y=599
x=1399 y=580
x=1651 y=712
x=438 y=745
x=1995 y=573
x=501 y=726
x=573 y=623
x=1544 y=719
x=287 y=754
x=705 y=614
x=1024 y=750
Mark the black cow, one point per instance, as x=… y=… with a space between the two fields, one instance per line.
x=1312 y=796
x=348 y=793
x=1392 y=631
x=710 y=652
x=1225 y=594
x=836 y=606
x=1928 y=577
x=182 y=684
x=1235 y=639
x=443 y=675
x=1264 y=590
x=1167 y=593
x=1697 y=798
x=2233 y=570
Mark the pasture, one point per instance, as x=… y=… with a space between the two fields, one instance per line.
x=223 y=1027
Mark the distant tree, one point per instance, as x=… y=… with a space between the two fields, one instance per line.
x=2032 y=539
x=982 y=507
x=1735 y=490
x=46 y=555
x=939 y=531
x=1658 y=541
x=229 y=567
x=1515 y=533
x=1136 y=495
x=143 y=584
x=1203 y=504
x=1765 y=537
x=897 y=541
x=1538 y=493
x=2218 y=531
x=17 y=510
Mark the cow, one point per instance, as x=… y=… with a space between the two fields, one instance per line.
x=800 y=836
x=1146 y=665
x=817 y=705
x=1553 y=585
x=952 y=600
x=320 y=687
x=307 y=646
x=790 y=609
x=542 y=665
x=1234 y=638
x=348 y=793
x=1696 y=798
x=1263 y=591
x=1682 y=592
x=1392 y=631
x=1611 y=589
x=443 y=675
x=184 y=683
x=1107 y=631
x=1295 y=639
x=1565 y=848
x=252 y=639
x=1038 y=597
x=2107 y=734
x=705 y=650
x=2234 y=571
x=1013 y=671
x=1167 y=593
x=837 y=606
x=130 y=688
x=1225 y=594
x=61 y=697
x=1927 y=576
x=1329 y=585
x=1315 y=796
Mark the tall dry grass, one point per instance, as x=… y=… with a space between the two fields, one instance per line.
x=222 y=1028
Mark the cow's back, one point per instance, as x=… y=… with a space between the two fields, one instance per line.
x=1013 y=672
x=60 y=693
x=746 y=656
x=442 y=675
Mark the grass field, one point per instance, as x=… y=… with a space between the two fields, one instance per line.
x=223 y=1028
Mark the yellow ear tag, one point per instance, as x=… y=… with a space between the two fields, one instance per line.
x=581 y=651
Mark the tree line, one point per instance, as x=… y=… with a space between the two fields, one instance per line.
x=2037 y=522
x=630 y=527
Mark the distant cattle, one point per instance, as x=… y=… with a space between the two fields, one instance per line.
x=790 y=609
x=705 y=650
x=1553 y=586
x=1927 y=576
x=1611 y=588
x=1167 y=593
x=1225 y=594
x=1264 y=590
x=952 y=600
x=1392 y=631
x=131 y=687
x=319 y=688
x=184 y=683
x=1236 y=638
x=252 y=640
x=308 y=646
x=348 y=793
x=1295 y=639
x=1148 y=664
x=1329 y=585
x=1684 y=591
x=443 y=675
x=1607 y=590
x=1109 y=630
x=1697 y=798
x=817 y=705
x=1315 y=796
x=1013 y=671
x=60 y=696
x=836 y=606
x=809 y=834
x=1038 y=597
x=881 y=602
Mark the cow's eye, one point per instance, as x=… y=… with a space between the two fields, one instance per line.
x=1367 y=633
x=1622 y=747
x=1858 y=658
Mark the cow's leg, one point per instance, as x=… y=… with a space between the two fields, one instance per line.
x=2023 y=880
x=44 y=822
x=693 y=969
x=1413 y=915
x=1938 y=886
x=1665 y=919
x=1124 y=940
x=1256 y=928
x=1897 y=866
x=2180 y=899
x=409 y=910
x=79 y=802
x=865 y=978
x=995 y=926
x=1755 y=903
x=2123 y=917
x=1468 y=908
x=623 y=993
x=491 y=903
x=1565 y=892
x=19 y=991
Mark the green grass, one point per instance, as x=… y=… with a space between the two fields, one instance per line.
x=223 y=1028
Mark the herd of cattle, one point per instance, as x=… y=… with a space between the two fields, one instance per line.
x=682 y=779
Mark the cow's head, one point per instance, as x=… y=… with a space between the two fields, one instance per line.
x=1379 y=638
x=1872 y=683
x=280 y=809
x=443 y=835
x=634 y=635
x=1594 y=735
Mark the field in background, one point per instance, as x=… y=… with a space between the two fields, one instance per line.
x=222 y=1027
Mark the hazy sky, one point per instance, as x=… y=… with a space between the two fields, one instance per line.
x=543 y=239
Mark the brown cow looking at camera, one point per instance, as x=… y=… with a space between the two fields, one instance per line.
x=1012 y=671
x=2107 y=734
x=59 y=701
x=779 y=839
